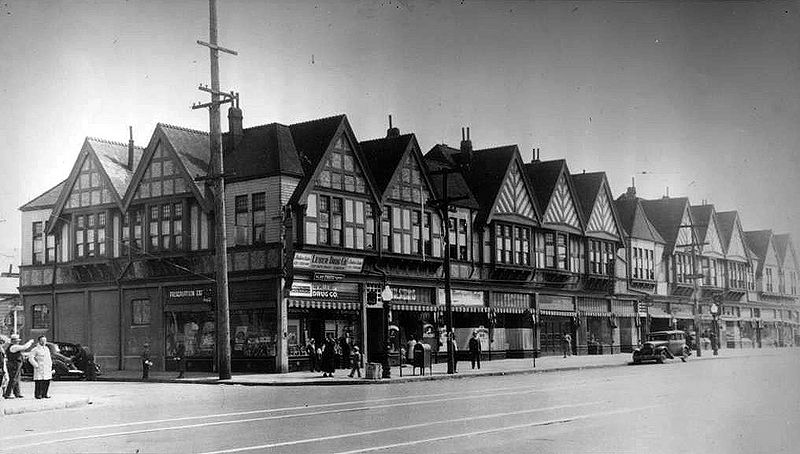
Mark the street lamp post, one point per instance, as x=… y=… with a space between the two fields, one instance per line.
x=714 y=309
x=386 y=296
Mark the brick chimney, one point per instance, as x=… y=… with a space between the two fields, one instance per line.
x=130 y=148
x=392 y=131
x=235 y=130
x=466 y=148
x=631 y=192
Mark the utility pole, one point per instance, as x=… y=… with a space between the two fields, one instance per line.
x=444 y=207
x=217 y=179
x=694 y=276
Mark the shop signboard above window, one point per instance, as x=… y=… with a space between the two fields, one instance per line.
x=462 y=297
x=327 y=262
x=555 y=302
x=328 y=277
x=189 y=295
x=339 y=291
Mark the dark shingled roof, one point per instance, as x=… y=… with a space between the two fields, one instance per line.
x=782 y=242
x=312 y=138
x=113 y=157
x=701 y=218
x=262 y=151
x=758 y=242
x=543 y=176
x=634 y=220
x=726 y=222
x=46 y=200
x=383 y=156
x=587 y=187
x=442 y=157
x=666 y=215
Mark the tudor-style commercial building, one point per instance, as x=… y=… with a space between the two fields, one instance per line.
x=121 y=252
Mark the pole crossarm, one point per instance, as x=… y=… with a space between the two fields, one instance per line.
x=210 y=104
x=226 y=95
x=217 y=47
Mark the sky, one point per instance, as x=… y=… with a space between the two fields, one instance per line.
x=699 y=97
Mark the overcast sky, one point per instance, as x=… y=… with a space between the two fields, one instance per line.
x=702 y=96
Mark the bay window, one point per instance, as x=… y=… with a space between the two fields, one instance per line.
x=90 y=235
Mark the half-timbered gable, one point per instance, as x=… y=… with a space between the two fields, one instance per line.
x=515 y=198
x=787 y=260
x=599 y=212
x=673 y=220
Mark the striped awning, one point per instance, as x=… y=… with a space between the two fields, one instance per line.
x=509 y=310
x=595 y=314
x=329 y=305
x=413 y=307
x=683 y=316
x=470 y=308
x=557 y=313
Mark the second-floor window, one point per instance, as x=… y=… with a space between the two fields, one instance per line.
x=601 y=257
x=709 y=272
x=166 y=227
x=736 y=275
x=551 y=250
x=38 y=243
x=132 y=232
x=90 y=235
x=512 y=244
x=338 y=222
x=457 y=233
x=642 y=265
x=768 y=282
x=683 y=268
x=751 y=278
x=576 y=254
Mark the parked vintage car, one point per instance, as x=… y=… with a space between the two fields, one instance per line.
x=66 y=357
x=662 y=345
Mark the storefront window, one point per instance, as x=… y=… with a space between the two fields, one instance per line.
x=253 y=333
x=196 y=330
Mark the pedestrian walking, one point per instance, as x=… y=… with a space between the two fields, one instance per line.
x=355 y=360
x=475 y=350
x=42 y=364
x=14 y=365
x=455 y=352
x=311 y=351
x=567 y=344
x=3 y=368
x=328 y=357
x=180 y=352
x=146 y=362
x=412 y=342
x=344 y=347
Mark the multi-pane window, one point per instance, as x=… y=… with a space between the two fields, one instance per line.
x=642 y=263
x=386 y=229
x=140 y=312
x=431 y=233
x=41 y=316
x=90 y=235
x=751 y=278
x=576 y=254
x=457 y=235
x=554 y=248
x=768 y=281
x=793 y=287
x=401 y=230
x=683 y=268
x=601 y=257
x=409 y=187
x=736 y=275
x=161 y=177
x=241 y=208
x=333 y=221
x=89 y=188
x=166 y=227
x=512 y=244
x=341 y=171
x=38 y=243
x=132 y=231
x=259 y=218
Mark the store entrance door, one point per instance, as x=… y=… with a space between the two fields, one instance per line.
x=552 y=333
x=374 y=335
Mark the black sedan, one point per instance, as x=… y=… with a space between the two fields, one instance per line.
x=66 y=360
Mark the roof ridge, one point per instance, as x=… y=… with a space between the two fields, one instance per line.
x=110 y=142
x=401 y=136
x=318 y=119
x=182 y=128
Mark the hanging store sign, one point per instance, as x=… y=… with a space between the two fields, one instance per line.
x=330 y=277
x=327 y=262
x=324 y=290
x=462 y=297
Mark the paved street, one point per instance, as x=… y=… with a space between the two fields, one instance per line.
x=734 y=405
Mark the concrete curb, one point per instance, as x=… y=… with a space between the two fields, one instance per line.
x=45 y=405
x=335 y=382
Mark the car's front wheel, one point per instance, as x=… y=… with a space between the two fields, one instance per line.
x=662 y=357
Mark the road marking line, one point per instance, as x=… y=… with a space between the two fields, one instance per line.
x=478 y=393
x=499 y=429
x=267 y=418
x=397 y=428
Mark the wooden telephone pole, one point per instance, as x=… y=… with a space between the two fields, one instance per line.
x=217 y=180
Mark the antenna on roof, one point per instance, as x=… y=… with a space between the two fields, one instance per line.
x=392 y=131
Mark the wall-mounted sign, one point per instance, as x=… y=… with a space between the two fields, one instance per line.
x=555 y=302
x=328 y=277
x=188 y=295
x=327 y=262
x=325 y=290
x=462 y=297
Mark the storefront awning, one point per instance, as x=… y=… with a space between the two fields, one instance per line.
x=329 y=305
x=509 y=310
x=683 y=316
x=413 y=307
x=470 y=308
x=595 y=314
x=557 y=313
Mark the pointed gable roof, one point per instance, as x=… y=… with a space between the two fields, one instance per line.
x=666 y=214
x=635 y=221
x=551 y=181
x=731 y=235
x=705 y=224
x=486 y=175
x=599 y=212
x=384 y=156
x=313 y=139
x=190 y=147
x=45 y=200
x=441 y=157
x=783 y=246
x=262 y=151
x=112 y=162
x=760 y=242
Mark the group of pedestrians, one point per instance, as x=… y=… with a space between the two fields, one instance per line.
x=12 y=356
x=332 y=353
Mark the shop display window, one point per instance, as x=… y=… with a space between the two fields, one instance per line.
x=253 y=333
x=196 y=330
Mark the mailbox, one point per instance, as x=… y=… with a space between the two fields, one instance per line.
x=422 y=358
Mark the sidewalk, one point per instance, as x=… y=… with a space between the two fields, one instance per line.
x=488 y=368
x=28 y=404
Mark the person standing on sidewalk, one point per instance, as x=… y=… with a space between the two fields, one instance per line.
x=455 y=351
x=356 y=361
x=311 y=351
x=14 y=365
x=146 y=363
x=3 y=369
x=180 y=352
x=567 y=344
x=475 y=350
x=42 y=364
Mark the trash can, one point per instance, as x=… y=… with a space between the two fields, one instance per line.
x=373 y=371
x=422 y=358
